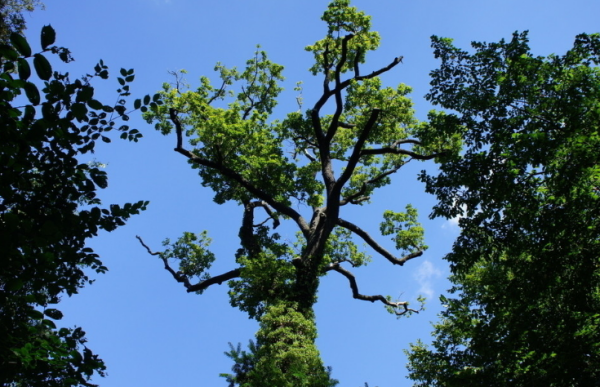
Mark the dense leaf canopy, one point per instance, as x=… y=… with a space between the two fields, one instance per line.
x=525 y=309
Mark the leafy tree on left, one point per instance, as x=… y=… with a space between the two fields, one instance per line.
x=49 y=207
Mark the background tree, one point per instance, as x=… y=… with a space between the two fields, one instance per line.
x=336 y=154
x=526 y=267
x=12 y=18
x=49 y=207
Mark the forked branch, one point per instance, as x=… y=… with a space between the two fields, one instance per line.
x=180 y=277
x=355 y=293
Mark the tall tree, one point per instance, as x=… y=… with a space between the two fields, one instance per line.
x=344 y=147
x=525 y=309
x=49 y=207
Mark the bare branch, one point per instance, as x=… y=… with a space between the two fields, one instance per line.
x=248 y=239
x=219 y=279
x=180 y=277
x=345 y=125
x=355 y=293
x=356 y=68
x=339 y=103
x=270 y=212
x=309 y=156
x=146 y=246
x=219 y=93
x=227 y=172
x=376 y=246
x=327 y=92
x=398 y=151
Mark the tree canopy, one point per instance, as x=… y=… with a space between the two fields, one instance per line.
x=49 y=207
x=301 y=170
x=525 y=308
x=12 y=18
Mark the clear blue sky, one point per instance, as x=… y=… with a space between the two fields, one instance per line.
x=143 y=324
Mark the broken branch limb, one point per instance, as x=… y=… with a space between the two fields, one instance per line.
x=356 y=294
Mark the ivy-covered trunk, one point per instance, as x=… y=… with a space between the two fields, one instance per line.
x=287 y=354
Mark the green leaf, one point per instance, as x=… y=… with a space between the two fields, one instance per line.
x=20 y=43
x=42 y=67
x=85 y=94
x=146 y=99
x=35 y=314
x=32 y=92
x=99 y=178
x=54 y=313
x=130 y=78
x=79 y=110
x=95 y=104
x=24 y=69
x=137 y=103
x=14 y=285
x=8 y=52
x=48 y=36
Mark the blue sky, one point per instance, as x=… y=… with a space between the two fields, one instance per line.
x=144 y=325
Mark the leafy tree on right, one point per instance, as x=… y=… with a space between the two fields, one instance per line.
x=525 y=305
